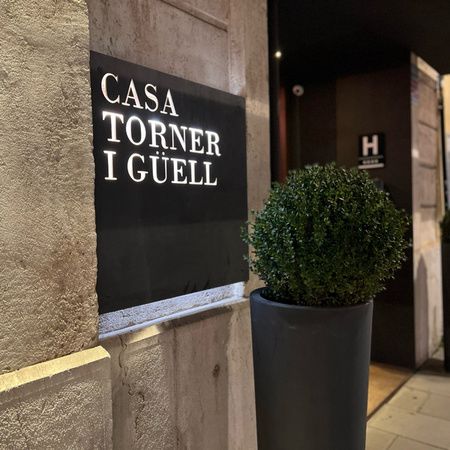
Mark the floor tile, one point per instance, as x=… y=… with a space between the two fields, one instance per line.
x=378 y=440
x=409 y=399
x=419 y=427
x=437 y=406
x=407 y=444
x=430 y=382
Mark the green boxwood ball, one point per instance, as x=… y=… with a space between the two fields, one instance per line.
x=328 y=237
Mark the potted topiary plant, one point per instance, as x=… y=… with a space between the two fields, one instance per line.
x=445 y=255
x=324 y=244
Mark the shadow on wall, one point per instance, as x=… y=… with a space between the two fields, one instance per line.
x=421 y=311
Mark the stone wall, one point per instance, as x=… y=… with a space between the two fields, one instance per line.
x=186 y=382
x=64 y=403
x=428 y=204
x=48 y=304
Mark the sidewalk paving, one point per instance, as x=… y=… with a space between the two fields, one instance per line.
x=418 y=415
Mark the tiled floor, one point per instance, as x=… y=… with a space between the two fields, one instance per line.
x=418 y=416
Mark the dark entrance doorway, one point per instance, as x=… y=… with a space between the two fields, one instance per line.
x=341 y=71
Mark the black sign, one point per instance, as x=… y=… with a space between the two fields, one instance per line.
x=371 y=151
x=170 y=184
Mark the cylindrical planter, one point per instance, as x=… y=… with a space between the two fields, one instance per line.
x=311 y=375
x=445 y=255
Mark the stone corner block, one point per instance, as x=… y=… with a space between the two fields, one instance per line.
x=62 y=403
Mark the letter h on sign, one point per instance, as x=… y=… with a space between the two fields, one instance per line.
x=371 y=151
x=370 y=145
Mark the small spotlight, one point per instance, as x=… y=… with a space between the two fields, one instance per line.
x=278 y=54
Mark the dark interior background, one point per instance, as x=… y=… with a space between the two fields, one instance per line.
x=353 y=60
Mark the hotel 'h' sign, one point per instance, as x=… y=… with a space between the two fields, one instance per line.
x=371 y=151
x=170 y=184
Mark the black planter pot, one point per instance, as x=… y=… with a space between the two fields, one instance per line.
x=445 y=254
x=311 y=375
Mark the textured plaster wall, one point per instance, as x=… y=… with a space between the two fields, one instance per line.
x=48 y=303
x=60 y=404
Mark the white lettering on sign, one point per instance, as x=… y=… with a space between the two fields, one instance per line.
x=371 y=151
x=113 y=121
x=169 y=104
x=109 y=157
x=142 y=133
x=153 y=135
x=105 y=90
x=151 y=97
x=370 y=145
x=133 y=96
x=131 y=169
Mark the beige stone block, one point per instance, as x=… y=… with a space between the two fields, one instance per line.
x=378 y=440
x=249 y=77
x=258 y=173
x=415 y=426
x=409 y=399
x=241 y=396
x=428 y=106
x=216 y=11
x=60 y=404
x=426 y=230
x=428 y=144
x=427 y=186
x=158 y=35
x=187 y=382
x=437 y=406
x=435 y=302
x=48 y=304
x=144 y=404
x=256 y=50
x=202 y=381
x=407 y=444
